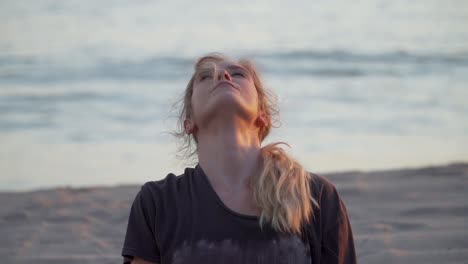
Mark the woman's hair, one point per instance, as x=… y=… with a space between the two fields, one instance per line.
x=282 y=190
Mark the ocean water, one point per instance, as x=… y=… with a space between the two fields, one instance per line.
x=87 y=88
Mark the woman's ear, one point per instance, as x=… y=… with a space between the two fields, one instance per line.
x=188 y=125
x=261 y=121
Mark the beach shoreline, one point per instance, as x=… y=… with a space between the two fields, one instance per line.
x=401 y=215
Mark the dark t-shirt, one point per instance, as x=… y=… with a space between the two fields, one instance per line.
x=182 y=220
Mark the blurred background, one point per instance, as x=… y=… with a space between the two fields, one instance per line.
x=86 y=87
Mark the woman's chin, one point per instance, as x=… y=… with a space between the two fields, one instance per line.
x=226 y=106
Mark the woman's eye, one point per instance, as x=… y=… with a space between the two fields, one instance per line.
x=203 y=77
x=238 y=74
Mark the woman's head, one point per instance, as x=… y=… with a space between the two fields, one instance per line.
x=221 y=84
x=281 y=189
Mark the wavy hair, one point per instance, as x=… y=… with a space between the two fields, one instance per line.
x=282 y=190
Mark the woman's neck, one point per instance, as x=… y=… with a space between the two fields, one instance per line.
x=229 y=156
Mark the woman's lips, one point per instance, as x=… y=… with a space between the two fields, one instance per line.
x=220 y=83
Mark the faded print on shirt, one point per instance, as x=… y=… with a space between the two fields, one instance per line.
x=280 y=251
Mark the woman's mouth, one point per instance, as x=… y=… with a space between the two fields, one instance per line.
x=224 y=83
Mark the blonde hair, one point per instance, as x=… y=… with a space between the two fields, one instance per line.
x=282 y=190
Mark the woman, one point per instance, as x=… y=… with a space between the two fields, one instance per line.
x=242 y=203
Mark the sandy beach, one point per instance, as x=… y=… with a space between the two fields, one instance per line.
x=412 y=215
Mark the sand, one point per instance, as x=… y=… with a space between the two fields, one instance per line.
x=416 y=215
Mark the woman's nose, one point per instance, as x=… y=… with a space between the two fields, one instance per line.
x=224 y=75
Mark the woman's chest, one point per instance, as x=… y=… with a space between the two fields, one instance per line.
x=210 y=234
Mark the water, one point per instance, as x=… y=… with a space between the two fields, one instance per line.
x=86 y=87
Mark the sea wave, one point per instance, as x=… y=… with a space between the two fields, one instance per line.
x=315 y=64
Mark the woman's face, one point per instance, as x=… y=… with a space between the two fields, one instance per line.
x=230 y=91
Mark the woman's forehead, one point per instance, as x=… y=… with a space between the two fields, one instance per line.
x=221 y=64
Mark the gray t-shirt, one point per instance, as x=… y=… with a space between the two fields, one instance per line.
x=181 y=220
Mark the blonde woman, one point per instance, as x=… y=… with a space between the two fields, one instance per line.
x=243 y=202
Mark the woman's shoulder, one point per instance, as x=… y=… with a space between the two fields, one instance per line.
x=321 y=185
x=331 y=204
x=170 y=185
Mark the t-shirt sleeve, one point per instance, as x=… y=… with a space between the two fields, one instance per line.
x=337 y=237
x=140 y=239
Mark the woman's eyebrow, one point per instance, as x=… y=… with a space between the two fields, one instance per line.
x=236 y=67
x=204 y=71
